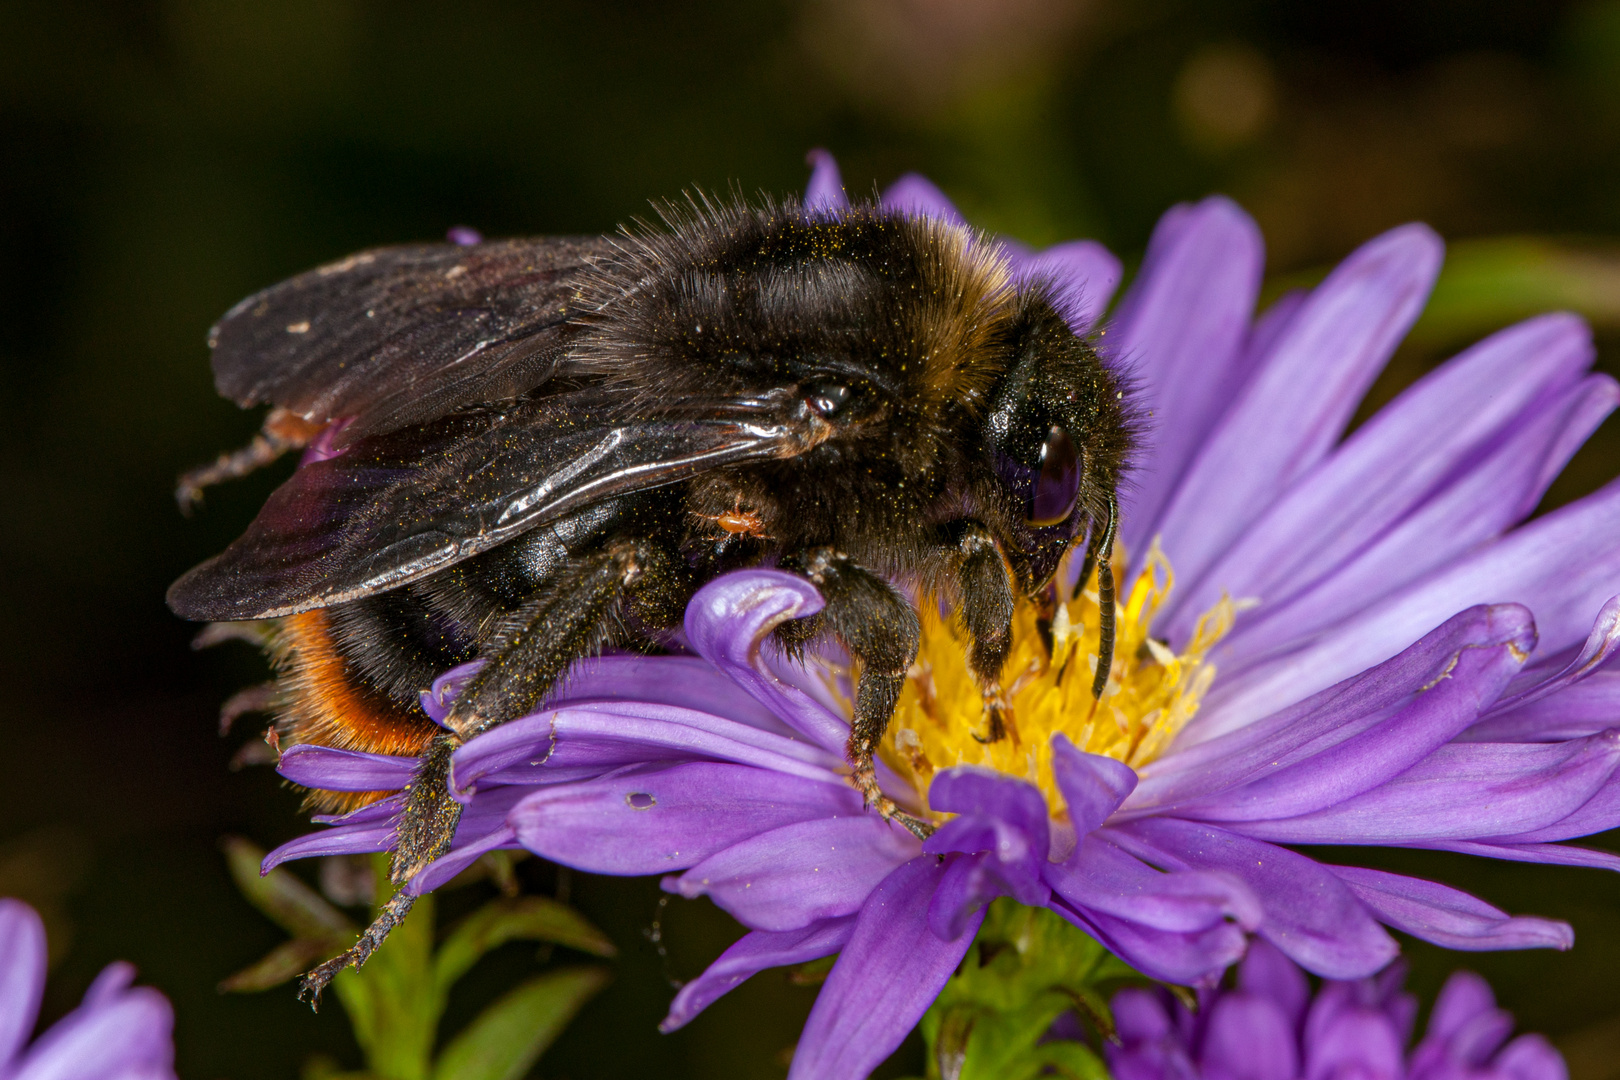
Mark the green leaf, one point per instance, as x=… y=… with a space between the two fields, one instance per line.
x=524 y=918
x=393 y=1001
x=507 y=1038
x=281 y=964
x=1487 y=284
x=1491 y=282
x=289 y=903
x=1070 y=1060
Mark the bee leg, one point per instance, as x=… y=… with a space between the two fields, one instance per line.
x=524 y=660
x=879 y=628
x=987 y=612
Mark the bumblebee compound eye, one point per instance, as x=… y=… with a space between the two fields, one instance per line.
x=1058 y=484
x=827 y=399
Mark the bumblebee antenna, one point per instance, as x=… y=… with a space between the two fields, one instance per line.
x=1100 y=552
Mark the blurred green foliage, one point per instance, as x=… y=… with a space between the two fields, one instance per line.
x=395 y=1000
x=159 y=159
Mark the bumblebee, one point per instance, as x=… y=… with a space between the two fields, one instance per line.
x=523 y=451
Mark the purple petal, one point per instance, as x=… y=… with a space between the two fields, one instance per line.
x=1357 y=1042
x=105 y=988
x=1139 y=1015
x=130 y=1035
x=1081 y=276
x=969 y=884
x=1016 y=808
x=790 y=877
x=461 y=855
x=464 y=235
x=1295 y=406
x=726 y=622
x=890 y=971
x=1460 y=792
x=1398 y=460
x=1002 y=826
x=1463 y=999
x=1482 y=642
x=1267 y=973
x=1180 y=329
x=686 y=682
x=1573 y=702
x=751 y=954
x=1546 y=854
x=1101 y=877
x=825 y=192
x=330 y=769
x=604 y=735
x=1249 y=1038
x=917 y=195
x=653 y=820
x=1486 y=497
x=1093 y=786
x=1598 y=814
x=1309 y=913
x=1531 y=1057
x=339 y=840
x=22 y=975
x=1447 y=916
x=1561 y=566
x=1394 y=767
x=1196 y=958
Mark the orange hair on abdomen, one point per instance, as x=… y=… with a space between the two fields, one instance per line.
x=324 y=704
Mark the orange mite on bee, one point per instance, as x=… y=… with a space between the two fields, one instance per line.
x=739 y=522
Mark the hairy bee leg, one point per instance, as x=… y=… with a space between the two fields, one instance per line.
x=283 y=431
x=879 y=628
x=526 y=657
x=987 y=612
x=1105 y=599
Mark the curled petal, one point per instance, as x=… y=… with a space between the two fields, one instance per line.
x=727 y=622
x=971 y=882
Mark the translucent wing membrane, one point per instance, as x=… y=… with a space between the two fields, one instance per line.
x=400 y=335
x=400 y=506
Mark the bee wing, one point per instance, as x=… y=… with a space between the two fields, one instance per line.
x=399 y=335
x=403 y=505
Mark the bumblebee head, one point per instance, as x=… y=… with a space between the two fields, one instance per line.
x=1058 y=433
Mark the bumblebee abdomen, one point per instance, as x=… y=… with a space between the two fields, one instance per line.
x=328 y=700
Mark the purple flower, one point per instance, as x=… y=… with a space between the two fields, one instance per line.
x=1362 y=649
x=1269 y=1027
x=118 y=1032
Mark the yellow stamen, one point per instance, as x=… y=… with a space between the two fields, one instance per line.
x=943 y=719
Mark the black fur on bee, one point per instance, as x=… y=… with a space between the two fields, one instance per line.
x=525 y=448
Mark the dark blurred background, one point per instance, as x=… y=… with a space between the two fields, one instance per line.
x=159 y=160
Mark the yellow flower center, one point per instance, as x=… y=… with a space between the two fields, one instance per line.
x=943 y=719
